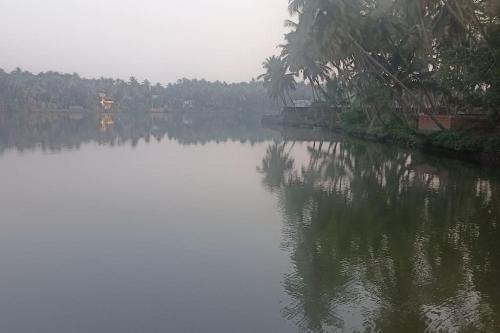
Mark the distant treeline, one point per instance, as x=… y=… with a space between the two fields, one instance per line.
x=24 y=91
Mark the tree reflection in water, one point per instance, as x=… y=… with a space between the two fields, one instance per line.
x=386 y=240
x=55 y=131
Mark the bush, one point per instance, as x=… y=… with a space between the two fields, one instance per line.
x=352 y=118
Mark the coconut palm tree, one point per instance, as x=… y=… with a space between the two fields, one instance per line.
x=427 y=54
x=300 y=52
x=277 y=79
x=295 y=6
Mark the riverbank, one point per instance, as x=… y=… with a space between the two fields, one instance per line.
x=483 y=148
x=469 y=145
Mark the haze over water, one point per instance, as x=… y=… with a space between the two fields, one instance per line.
x=149 y=228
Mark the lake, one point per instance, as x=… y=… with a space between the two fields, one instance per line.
x=151 y=228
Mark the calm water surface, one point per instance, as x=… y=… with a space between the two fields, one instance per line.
x=162 y=232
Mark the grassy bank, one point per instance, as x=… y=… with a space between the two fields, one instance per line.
x=468 y=145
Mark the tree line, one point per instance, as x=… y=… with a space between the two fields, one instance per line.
x=24 y=91
x=390 y=60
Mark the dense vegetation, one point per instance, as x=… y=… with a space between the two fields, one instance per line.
x=390 y=60
x=24 y=91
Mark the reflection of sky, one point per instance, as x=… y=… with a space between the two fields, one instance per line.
x=358 y=306
x=160 y=237
x=178 y=229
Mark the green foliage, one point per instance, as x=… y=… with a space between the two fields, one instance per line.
x=24 y=91
x=352 y=118
x=277 y=79
x=398 y=58
x=460 y=142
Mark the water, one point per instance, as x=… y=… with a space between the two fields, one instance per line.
x=148 y=227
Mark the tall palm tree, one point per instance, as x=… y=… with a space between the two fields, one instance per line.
x=295 y=6
x=301 y=53
x=277 y=79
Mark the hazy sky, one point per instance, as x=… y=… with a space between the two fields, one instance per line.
x=161 y=40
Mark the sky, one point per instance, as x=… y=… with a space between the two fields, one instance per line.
x=158 y=40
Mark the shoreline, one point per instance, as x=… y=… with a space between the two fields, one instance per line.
x=450 y=144
x=427 y=145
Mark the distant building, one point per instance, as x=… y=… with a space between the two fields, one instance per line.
x=188 y=104
x=106 y=102
x=302 y=103
x=160 y=114
x=76 y=108
x=76 y=116
x=157 y=110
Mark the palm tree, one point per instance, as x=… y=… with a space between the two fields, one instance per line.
x=277 y=79
x=387 y=42
x=295 y=6
x=301 y=53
